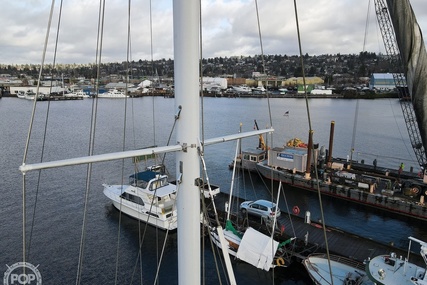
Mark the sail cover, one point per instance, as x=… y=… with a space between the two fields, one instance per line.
x=413 y=53
x=257 y=249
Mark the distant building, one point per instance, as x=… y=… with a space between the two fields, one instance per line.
x=8 y=80
x=308 y=88
x=42 y=89
x=118 y=85
x=216 y=82
x=382 y=81
x=236 y=81
x=293 y=81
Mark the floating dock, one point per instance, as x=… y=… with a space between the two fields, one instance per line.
x=59 y=98
x=311 y=238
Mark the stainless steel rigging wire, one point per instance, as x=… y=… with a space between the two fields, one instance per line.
x=24 y=160
x=98 y=56
x=310 y=146
x=44 y=133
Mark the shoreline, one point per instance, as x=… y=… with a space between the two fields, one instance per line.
x=258 y=96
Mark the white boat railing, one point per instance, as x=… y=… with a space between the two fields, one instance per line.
x=341 y=259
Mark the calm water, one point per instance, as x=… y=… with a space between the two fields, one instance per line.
x=57 y=219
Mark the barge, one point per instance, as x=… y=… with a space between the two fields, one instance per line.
x=396 y=191
x=374 y=191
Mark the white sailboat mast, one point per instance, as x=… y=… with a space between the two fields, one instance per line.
x=186 y=20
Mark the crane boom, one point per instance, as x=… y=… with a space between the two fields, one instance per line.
x=261 y=142
x=405 y=97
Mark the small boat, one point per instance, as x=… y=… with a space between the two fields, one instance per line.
x=259 y=89
x=283 y=91
x=251 y=246
x=386 y=269
x=77 y=93
x=113 y=94
x=30 y=95
x=149 y=197
x=249 y=158
x=344 y=270
x=393 y=270
x=20 y=94
x=241 y=89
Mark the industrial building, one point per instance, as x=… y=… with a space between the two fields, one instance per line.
x=382 y=81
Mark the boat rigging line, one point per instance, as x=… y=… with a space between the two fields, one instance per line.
x=44 y=136
x=356 y=112
x=310 y=138
x=230 y=272
x=100 y=32
x=152 y=69
x=24 y=219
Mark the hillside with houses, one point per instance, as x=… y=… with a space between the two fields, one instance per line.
x=339 y=73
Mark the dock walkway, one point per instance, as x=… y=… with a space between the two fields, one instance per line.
x=339 y=242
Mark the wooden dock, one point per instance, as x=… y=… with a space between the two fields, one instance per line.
x=312 y=235
x=59 y=98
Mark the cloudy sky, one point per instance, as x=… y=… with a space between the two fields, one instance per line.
x=229 y=28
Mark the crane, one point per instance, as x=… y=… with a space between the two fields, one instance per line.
x=392 y=50
x=261 y=142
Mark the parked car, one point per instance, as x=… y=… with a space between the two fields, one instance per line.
x=261 y=208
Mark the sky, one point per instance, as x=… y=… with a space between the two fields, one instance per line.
x=229 y=28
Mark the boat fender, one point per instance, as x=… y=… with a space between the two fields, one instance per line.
x=282 y=229
x=295 y=210
x=280 y=261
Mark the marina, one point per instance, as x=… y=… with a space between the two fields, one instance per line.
x=176 y=228
x=104 y=216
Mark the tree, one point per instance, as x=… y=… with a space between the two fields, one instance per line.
x=298 y=71
x=312 y=71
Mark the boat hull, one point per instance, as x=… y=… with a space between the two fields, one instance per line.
x=253 y=248
x=112 y=97
x=389 y=269
x=149 y=219
x=147 y=213
x=393 y=204
x=343 y=270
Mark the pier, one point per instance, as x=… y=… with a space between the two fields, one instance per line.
x=310 y=237
x=59 y=98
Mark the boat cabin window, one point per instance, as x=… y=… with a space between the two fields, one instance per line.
x=154 y=184
x=132 y=198
x=252 y=157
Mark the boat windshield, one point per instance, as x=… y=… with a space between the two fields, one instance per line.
x=141 y=183
x=157 y=183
